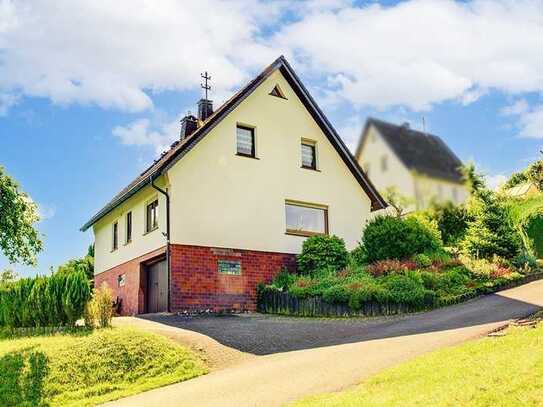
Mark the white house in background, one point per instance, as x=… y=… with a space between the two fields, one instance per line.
x=419 y=165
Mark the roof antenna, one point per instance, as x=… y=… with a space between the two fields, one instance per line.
x=423 y=125
x=205 y=85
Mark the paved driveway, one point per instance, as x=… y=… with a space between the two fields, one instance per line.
x=276 y=379
x=266 y=334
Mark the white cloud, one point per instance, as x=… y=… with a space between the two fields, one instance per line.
x=530 y=118
x=6 y=101
x=519 y=107
x=115 y=53
x=46 y=211
x=423 y=52
x=414 y=54
x=495 y=181
x=143 y=133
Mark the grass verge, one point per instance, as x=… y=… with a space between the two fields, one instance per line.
x=91 y=367
x=504 y=371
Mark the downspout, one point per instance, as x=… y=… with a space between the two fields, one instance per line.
x=168 y=257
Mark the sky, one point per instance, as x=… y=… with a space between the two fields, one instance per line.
x=92 y=91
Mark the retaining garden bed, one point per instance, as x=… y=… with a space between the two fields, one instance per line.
x=272 y=301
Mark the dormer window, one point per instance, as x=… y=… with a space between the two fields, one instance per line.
x=277 y=92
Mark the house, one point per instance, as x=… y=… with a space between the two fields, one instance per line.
x=523 y=190
x=418 y=165
x=230 y=204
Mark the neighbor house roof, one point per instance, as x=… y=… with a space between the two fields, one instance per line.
x=519 y=190
x=425 y=153
x=180 y=148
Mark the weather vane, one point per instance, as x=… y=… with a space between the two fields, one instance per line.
x=205 y=85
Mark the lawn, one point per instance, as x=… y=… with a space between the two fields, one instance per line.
x=504 y=371
x=90 y=367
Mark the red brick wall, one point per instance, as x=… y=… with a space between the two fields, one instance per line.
x=197 y=284
x=132 y=293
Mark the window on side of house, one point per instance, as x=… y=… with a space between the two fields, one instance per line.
x=151 y=216
x=455 y=195
x=367 y=169
x=115 y=236
x=245 y=141
x=306 y=219
x=309 y=154
x=128 y=227
x=384 y=163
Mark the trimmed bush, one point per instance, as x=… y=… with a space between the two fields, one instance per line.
x=422 y=260
x=387 y=237
x=44 y=301
x=322 y=252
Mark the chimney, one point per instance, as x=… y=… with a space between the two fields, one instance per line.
x=189 y=124
x=205 y=109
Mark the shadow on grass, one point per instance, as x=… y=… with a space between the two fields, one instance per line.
x=22 y=374
x=15 y=333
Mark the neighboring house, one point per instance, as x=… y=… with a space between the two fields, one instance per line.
x=419 y=165
x=237 y=195
x=524 y=190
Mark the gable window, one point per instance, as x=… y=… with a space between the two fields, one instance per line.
x=151 y=217
x=306 y=219
x=115 y=236
x=128 y=227
x=277 y=92
x=245 y=141
x=384 y=163
x=309 y=159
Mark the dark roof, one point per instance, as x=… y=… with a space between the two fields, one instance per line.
x=180 y=148
x=422 y=152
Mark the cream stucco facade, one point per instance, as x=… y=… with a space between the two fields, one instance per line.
x=220 y=199
x=385 y=169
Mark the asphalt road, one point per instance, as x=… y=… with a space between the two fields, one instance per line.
x=333 y=354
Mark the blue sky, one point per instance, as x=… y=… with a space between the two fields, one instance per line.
x=91 y=93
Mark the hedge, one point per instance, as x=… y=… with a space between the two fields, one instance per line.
x=57 y=300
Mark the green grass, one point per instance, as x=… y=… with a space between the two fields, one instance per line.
x=505 y=371
x=88 y=368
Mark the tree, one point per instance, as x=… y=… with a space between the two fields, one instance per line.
x=534 y=173
x=472 y=179
x=515 y=179
x=396 y=200
x=19 y=240
x=8 y=276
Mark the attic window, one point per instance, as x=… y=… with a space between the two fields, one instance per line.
x=277 y=92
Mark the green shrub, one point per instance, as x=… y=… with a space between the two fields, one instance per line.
x=337 y=294
x=283 y=280
x=422 y=260
x=387 y=237
x=75 y=296
x=319 y=252
x=524 y=261
x=451 y=220
x=358 y=256
x=408 y=289
x=490 y=229
x=371 y=292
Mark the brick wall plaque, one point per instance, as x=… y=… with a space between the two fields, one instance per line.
x=230 y=267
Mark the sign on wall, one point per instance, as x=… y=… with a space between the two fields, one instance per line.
x=230 y=267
